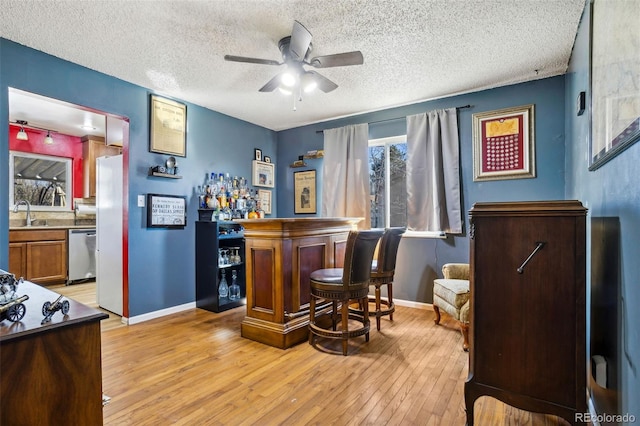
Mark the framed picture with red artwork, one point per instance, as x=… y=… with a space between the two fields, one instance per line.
x=504 y=144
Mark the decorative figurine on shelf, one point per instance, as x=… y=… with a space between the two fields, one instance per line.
x=48 y=309
x=11 y=306
x=171 y=165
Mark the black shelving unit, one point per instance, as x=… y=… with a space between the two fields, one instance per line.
x=210 y=236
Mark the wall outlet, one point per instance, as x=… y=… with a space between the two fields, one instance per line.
x=140 y=200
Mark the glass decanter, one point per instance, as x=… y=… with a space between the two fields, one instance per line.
x=223 y=288
x=234 y=290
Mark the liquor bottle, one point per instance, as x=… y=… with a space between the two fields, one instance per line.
x=234 y=289
x=222 y=191
x=223 y=288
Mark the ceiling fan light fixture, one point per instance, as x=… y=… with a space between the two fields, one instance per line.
x=284 y=91
x=288 y=78
x=48 y=140
x=308 y=82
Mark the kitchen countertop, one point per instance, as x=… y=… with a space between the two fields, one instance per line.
x=45 y=227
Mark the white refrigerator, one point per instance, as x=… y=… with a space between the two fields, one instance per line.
x=109 y=233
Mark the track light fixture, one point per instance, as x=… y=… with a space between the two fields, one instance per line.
x=22 y=135
x=48 y=140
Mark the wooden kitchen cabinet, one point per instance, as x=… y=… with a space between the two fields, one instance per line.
x=18 y=259
x=92 y=148
x=39 y=255
x=528 y=315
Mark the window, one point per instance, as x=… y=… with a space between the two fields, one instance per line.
x=388 y=181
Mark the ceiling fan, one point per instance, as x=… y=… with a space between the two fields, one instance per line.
x=295 y=50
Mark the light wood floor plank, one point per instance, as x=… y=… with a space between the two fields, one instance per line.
x=193 y=368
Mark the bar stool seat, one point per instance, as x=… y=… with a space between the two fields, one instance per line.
x=340 y=286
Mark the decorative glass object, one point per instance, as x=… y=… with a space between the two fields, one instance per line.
x=223 y=288
x=234 y=290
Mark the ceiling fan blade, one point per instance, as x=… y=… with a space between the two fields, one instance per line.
x=338 y=60
x=300 y=41
x=271 y=84
x=251 y=60
x=324 y=83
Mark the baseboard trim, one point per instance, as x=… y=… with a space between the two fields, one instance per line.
x=192 y=305
x=158 y=314
x=410 y=304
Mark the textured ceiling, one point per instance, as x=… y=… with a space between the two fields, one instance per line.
x=413 y=50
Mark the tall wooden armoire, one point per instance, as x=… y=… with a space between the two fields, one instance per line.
x=527 y=329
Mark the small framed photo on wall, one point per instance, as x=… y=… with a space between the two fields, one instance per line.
x=304 y=192
x=257 y=154
x=264 y=195
x=263 y=174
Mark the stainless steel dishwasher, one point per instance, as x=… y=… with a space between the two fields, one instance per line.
x=82 y=254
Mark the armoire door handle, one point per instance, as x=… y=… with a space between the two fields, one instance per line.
x=539 y=245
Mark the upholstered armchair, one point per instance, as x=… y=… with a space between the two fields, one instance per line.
x=451 y=294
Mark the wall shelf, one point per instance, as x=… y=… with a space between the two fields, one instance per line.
x=313 y=154
x=163 y=175
x=310 y=155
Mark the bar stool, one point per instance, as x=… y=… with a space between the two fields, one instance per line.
x=382 y=272
x=340 y=286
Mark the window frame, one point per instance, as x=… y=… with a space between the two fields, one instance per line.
x=387 y=142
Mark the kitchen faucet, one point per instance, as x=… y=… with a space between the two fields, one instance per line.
x=26 y=203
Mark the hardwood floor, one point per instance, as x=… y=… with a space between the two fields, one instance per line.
x=193 y=368
x=85 y=293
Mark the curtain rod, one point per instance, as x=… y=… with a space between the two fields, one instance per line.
x=398 y=118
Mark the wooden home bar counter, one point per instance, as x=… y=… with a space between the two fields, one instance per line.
x=281 y=254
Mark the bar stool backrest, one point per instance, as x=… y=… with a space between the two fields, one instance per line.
x=358 y=257
x=388 y=252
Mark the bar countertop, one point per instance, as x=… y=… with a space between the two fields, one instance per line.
x=31 y=323
x=295 y=226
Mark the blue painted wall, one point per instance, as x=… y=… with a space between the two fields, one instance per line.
x=160 y=261
x=610 y=191
x=161 y=269
x=421 y=260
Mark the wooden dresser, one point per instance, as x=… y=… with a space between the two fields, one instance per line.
x=527 y=330
x=51 y=373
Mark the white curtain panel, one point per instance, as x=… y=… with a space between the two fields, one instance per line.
x=433 y=172
x=345 y=176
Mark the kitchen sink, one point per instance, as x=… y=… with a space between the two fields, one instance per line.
x=37 y=222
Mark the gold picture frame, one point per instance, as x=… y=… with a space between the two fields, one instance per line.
x=504 y=144
x=304 y=192
x=263 y=174
x=168 y=127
